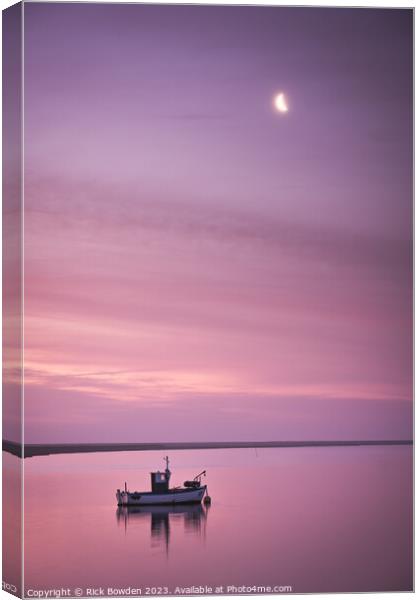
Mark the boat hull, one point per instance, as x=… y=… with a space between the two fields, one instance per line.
x=180 y=496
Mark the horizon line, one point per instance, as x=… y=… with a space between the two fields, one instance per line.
x=30 y=450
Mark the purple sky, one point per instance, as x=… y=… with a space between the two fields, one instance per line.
x=198 y=265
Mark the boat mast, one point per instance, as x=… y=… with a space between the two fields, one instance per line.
x=166 y=459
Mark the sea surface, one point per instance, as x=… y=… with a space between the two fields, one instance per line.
x=303 y=519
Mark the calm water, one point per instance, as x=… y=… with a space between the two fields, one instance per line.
x=316 y=519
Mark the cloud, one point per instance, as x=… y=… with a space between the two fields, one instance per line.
x=124 y=212
x=194 y=116
x=161 y=301
x=71 y=416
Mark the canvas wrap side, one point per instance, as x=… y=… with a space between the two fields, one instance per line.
x=12 y=24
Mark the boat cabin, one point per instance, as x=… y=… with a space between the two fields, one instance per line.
x=160 y=481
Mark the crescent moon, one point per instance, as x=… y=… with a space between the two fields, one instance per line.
x=280 y=103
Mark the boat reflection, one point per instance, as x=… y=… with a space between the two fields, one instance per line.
x=162 y=518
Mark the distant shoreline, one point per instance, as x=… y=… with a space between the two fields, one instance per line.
x=31 y=450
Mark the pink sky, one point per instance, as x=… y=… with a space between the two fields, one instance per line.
x=197 y=266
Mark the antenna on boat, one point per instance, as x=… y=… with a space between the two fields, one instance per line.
x=167 y=471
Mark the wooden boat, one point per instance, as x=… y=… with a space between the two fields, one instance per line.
x=191 y=492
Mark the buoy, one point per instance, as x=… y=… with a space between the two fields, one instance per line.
x=207 y=500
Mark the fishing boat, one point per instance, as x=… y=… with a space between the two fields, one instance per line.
x=191 y=492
